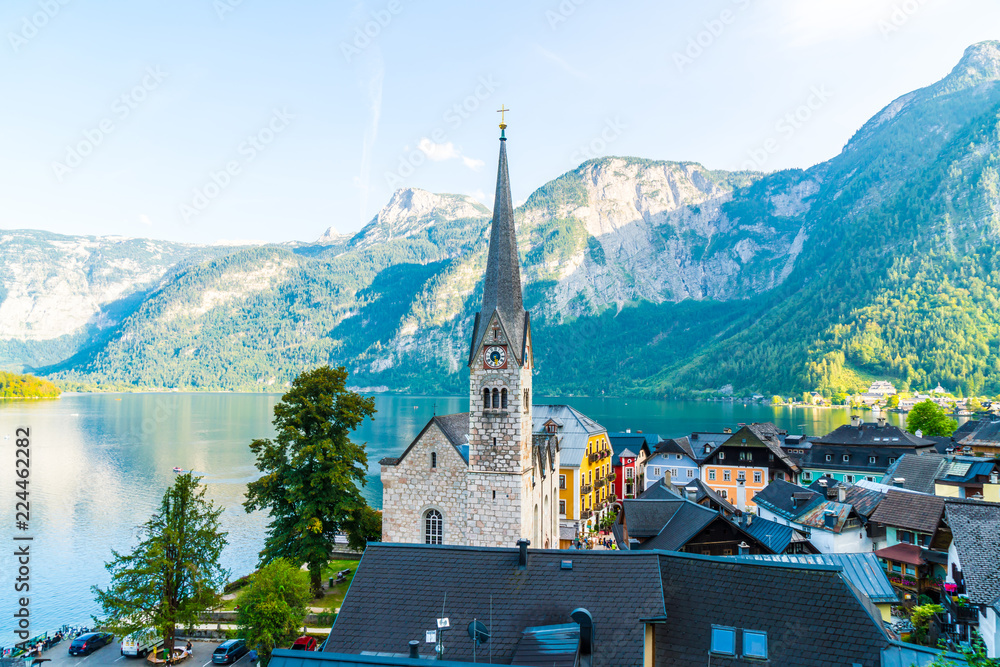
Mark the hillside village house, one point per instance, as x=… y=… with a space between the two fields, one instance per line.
x=859 y=450
x=911 y=538
x=746 y=462
x=674 y=456
x=949 y=476
x=831 y=524
x=984 y=440
x=630 y=451
x=971 y=594
x=585 y=485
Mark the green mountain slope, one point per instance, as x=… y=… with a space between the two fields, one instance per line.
x=642 y=277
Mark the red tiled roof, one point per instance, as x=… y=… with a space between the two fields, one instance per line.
x=903 y=553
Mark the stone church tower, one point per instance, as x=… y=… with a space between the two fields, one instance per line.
x=502 y=486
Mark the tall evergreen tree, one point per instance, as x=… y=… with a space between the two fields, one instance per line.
x=174 y=571
x=312 y=469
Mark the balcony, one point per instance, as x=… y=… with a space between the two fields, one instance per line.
x=585 y=489
x=612 y=477
x=599 y=482
x=593 y=457
x=960 y=609
x=586 y=514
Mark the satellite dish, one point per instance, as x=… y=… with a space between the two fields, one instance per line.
x=478 y=632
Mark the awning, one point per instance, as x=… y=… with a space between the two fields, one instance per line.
x=903 y=553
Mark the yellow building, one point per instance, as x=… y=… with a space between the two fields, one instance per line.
x=585 y=482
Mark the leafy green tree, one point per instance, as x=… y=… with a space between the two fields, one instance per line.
x=921 y=616
x=174 y=571
x=364 y=526
x=776 y=400
x=974 y=655
x=931 y=419
x=312 y=470
x=893 y=401
x=272 y=607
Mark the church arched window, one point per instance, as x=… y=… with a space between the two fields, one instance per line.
x=433 y=527
x=496 y=398
x=434 y=460
x=486 y=398
x=503 y=399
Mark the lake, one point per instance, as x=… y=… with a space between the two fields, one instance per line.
x=101 y=462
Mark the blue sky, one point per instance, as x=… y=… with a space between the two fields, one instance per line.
x=208 y=120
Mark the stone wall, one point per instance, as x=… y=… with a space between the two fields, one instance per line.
x=412 y=487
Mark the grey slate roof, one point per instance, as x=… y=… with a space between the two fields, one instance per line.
x=549 y=645
x=455 y=427
x=576 y=429
x=689 y=520
x=863 y=500
x=859 y=458
x=917 y=470
x=864 y=570
x=866 y=434
x=912 y=511
x=779 y=497
x=502 y=288
x=812 y=615
x=975 y=529
x=645 y=518
x=399 y=589
x=986 y=433
x=704 y=491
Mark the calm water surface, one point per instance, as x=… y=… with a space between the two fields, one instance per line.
x=101 y=462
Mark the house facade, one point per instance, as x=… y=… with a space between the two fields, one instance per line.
x=831 y=524
x=675 y=457
x=746 y=462
x=629 y=452
x=972 y=588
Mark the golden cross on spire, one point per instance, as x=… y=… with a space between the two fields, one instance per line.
x=501 y=110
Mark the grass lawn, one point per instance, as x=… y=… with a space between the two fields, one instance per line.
x=334 y=596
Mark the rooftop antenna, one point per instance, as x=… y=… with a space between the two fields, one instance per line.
x=479 y=635
x=434 y=411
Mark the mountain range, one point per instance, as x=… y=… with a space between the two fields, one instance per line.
x=643 y=277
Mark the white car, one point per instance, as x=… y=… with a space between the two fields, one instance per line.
x=141 y=643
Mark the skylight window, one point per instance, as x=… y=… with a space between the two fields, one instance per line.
x=755 y=644
x=723 y=640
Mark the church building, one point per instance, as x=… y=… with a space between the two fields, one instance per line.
x=482 y=478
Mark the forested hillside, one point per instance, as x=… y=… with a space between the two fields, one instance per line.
x=643 y=277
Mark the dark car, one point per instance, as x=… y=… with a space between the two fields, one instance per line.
x=304 y=643
x=230 y=651
x=90 y=642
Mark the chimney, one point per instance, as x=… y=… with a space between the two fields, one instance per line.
x=830 y=519
x=414 y=649
x=692 y=492
x=919 y=433
x=994 y=478
x=741 y=494
x=831 y=492
x=587 y=636
x=522 y=554
x=628 y=430
x=855 y=421
x=727 y=430
x=881 y=422
x=841 y=494
x=743 y=547
x=898 y=481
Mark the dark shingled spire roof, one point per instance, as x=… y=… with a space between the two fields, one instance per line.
x=502 y=291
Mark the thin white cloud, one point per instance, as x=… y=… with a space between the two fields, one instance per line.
x=561 y=62
x=819 y=21
x=472 y=163
x=375 y=71
x=144 y=219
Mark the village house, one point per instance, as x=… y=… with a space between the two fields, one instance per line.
x=629 y=453
x=746 y=462
x=984 y=440
x=971 y=596
x=859 y=450
x=949 y=476
x=831 y=524
x=911 y=538
x=674 y=456
x=585 y=483
x=543 y=608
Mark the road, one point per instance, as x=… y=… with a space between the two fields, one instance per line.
x=110 y=656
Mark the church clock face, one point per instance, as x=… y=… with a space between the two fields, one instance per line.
x=495 y=357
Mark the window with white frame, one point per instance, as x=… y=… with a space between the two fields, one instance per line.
x=629 y=473
x=690 y=473
x=711 y=475
x=756 y=477
x=725 y=475
x=433 y=527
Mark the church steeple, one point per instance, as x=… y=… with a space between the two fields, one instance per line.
x=502 y=288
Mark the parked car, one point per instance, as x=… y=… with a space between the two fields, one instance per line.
x=304 y=643
x=142 y=643
x=229 y=651
x=90 y=642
